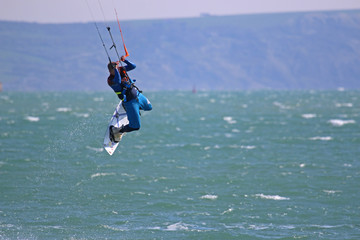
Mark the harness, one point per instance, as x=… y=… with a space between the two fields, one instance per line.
x=127 y=86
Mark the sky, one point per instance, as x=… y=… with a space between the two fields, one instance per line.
x=70 y=11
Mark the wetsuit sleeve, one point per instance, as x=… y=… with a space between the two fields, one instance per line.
x=117 y=77
x=129 y=65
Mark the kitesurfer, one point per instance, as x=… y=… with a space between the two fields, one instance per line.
x=132 y=97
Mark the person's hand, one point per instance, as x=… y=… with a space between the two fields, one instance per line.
x=122 y=58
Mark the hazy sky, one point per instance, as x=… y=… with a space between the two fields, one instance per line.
x=65 y=11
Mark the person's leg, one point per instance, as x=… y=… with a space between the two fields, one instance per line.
x=133 y=114
x=144 y=103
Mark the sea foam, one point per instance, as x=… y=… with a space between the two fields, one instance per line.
x=327 y=138
x=177 y=226
x=210 y=197
x=63 y=109
x=309 y=115
x=339 y=122
x=32 y=119
x=344 y=105
x=102 y=174
x=272 y=197
x=229 y=120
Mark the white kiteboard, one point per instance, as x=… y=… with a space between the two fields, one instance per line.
x=118 y=119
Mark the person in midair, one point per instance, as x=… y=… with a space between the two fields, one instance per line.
x=132 y=97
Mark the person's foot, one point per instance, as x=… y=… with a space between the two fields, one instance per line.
x=115 y=133
x=111 y=135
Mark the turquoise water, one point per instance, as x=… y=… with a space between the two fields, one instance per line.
x=211 y=165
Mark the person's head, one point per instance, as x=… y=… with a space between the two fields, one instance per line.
x=111 y=67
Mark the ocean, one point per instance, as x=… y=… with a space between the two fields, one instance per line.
x=205 y=165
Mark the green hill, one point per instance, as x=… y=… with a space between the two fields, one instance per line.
x=312 y=50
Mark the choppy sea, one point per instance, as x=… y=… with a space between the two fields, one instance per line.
x=210 y=165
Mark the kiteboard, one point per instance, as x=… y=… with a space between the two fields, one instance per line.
x=118 y=119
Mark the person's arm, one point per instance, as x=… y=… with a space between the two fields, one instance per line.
x=129 y=65
x=117 y=76
x=118 y=81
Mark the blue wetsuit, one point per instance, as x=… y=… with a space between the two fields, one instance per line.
x=133 y=100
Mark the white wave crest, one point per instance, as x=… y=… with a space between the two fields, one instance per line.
x=208 y=196
x=339 y=122
x=229 y=120
x=95 y=149
x=177 y=226
x=118 y=229
x=271 y=197
x=102 y=174
x=32 y=119
x=308 y=115
x=248 y=147
x=281 y=106
x=227 y=211
x=332 y=191
x=63 y=109
x=98 y=99
x=328 y=138
x=344 y=105
x=242 y=146
x=82 y=115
